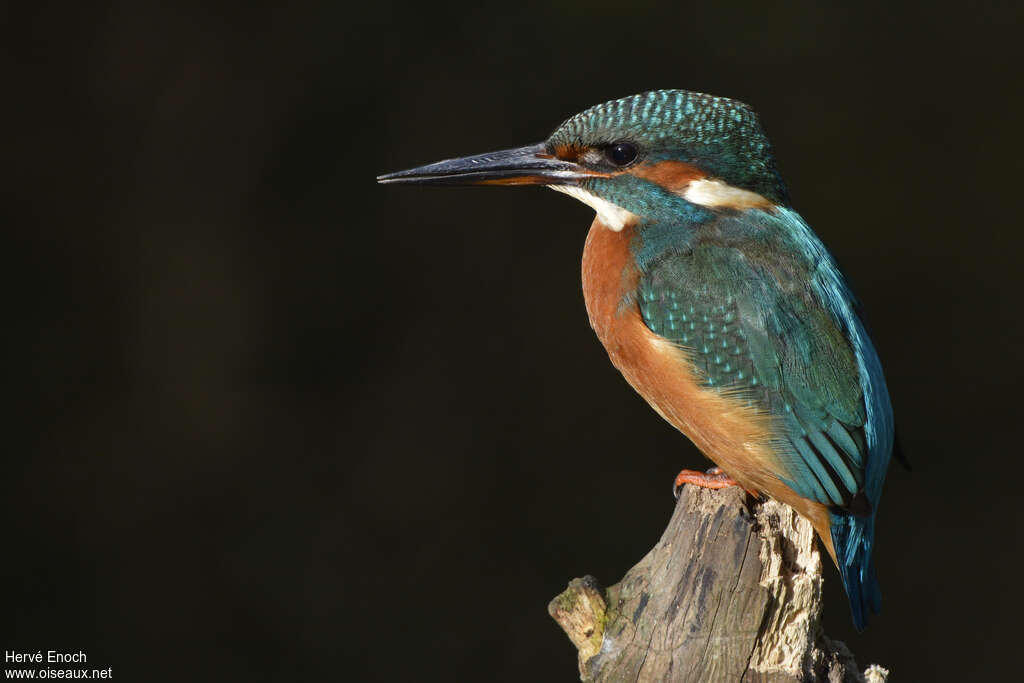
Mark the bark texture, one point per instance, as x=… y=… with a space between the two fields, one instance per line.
x=731 y=592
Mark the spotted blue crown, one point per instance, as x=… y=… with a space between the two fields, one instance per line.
x=721 y=136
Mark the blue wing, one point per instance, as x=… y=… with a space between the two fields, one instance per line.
x=853 y=536
x=774 y=323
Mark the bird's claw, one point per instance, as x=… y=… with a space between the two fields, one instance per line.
x=714 y=478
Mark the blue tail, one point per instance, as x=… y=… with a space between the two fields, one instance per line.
x=852 y=538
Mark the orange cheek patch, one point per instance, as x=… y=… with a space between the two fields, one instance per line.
x=569 y=152
x=674 y=176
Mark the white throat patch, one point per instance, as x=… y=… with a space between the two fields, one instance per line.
x=613 y=216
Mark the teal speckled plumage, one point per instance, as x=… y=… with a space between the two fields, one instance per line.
x=778 y=348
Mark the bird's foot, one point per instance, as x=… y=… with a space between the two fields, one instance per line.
x=714 y=478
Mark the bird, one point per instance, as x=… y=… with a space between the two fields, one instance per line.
x=720 y=306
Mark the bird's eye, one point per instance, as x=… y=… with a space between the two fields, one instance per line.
x=621 y=153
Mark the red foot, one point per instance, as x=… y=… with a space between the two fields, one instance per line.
x=714 y=478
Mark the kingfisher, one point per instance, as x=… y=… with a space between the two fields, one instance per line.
x=720 y=306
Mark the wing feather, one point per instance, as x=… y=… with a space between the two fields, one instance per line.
x=780 y=349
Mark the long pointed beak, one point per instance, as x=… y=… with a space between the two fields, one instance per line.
x=530 y=165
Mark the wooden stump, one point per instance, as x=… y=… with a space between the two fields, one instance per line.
x=731 y=592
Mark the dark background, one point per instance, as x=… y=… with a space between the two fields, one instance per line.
x=272 y=421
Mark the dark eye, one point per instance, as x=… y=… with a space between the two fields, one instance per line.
x=621 y=153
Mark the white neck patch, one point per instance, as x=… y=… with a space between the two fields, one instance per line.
x=613 y=216
x=715 y=194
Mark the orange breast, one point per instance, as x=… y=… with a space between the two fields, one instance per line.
x=736 y=437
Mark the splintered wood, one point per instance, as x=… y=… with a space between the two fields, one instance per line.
x=726 y=595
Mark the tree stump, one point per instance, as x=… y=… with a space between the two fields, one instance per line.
x=731 y=592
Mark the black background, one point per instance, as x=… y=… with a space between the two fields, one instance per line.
x=273 y=421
